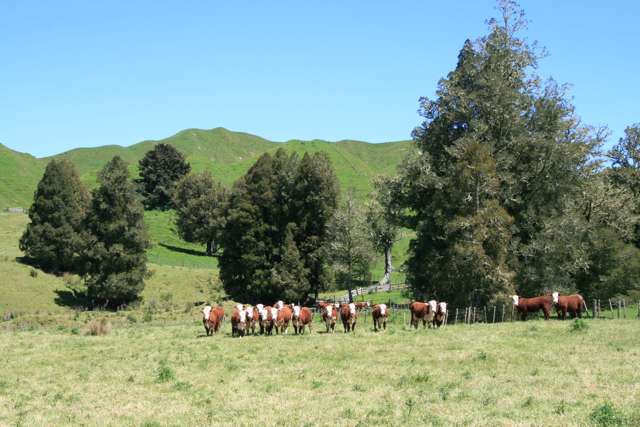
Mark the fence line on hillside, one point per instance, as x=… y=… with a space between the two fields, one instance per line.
x=371 y=290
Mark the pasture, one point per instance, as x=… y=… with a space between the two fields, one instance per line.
x=165 y=372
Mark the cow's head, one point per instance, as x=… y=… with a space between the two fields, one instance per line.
x=352 y=308
x=433 y=305
x=515 y=299
x=296 y=311
x=442 y=307
x=274 y=313
x=556 y=297
x=279 y=305
x=329 y=310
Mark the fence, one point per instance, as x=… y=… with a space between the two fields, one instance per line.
x=613 y=309
x=370 y=290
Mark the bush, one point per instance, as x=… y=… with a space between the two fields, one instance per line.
x=33 y=273
x=578 y=325
x=606 y=415
x=98 y=327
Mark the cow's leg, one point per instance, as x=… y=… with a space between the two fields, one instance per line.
x=384 y=323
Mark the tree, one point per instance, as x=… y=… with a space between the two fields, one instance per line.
x=315 y=199
x=351 y=248
x=499 y=162
x=115 y=258
x=200 y=203
x=382 y=216
x=160 y=169
x=53 y=237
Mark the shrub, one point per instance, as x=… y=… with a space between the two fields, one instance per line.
x=98 y=327
x=33 y=273
x=606 y=415
x=578 y=325
x=165 y=373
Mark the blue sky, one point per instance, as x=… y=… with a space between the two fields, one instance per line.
x=87 y=73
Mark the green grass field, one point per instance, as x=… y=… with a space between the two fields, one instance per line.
x=166 y=373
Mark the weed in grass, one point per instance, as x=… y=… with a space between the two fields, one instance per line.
x=561 y=408
x=535 y=372
x=98 y=327
x=409 y=404
x=527 y=402
x=578 y=325
x=359 y=388
x=33 y=273
x=466 y=375
x=150 y=423
x=182 y=386
x=444 y=391
x=606 y=415
x=165 y=373
x=482 y=356
x=315 y=384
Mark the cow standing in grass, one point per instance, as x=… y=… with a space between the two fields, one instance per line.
x=212 y=318
x=302 y=316
x=379 y=315
x=283 y=319
x=533 y=305
x=238 y=321
x=572 y=304
x=422 y=311
x=220 y=314
x=440 y=317
x=269 y=316
x=206 y=312
x=252 y=319
x=349 y=316
x=329 y=317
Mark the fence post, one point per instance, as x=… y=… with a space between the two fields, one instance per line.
x=624 y=308
x=502 y=313
x=593 y=315
x=474 y=315
x=494 y=314
x=456 y=321
x=485 y=314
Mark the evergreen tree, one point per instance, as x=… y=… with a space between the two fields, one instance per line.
x=53 y=237
x=499 y=159
x=160 y=169
x=351 y=248
x=115 y=258
x=200 y=203
x=315 y=199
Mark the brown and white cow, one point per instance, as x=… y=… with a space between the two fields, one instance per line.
x=533 y=305
x=220 y=314
x=301 y=317
x=329 y=317
x=572 y=304
x=283 y=319
x=238 y=321
x=440 y=317
x=270 y=316
x=422 y=311
x=380 y=314
x=361 y=305
x=206 y=312
x=349 y=316
x=252 y=319
x=212 y=319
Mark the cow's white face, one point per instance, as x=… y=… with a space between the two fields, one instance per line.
x=383 y=309
x=433 y=305
x=296 y=310
x=243 y=316
x=352 y=308
x=240 y=307
x=329 y=310
x=279 y=305
x=336 y=304
x=274 y=313
x=249 y=311
x=259 y=307
x=206 y=311
x=556 y=297
x=443 y=307
x=515 y=299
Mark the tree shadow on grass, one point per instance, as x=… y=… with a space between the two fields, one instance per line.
x=67 y=298
x=183 y=250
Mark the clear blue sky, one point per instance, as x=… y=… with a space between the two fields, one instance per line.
x=87 y=73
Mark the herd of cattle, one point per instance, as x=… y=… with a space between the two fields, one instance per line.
x=247 y=319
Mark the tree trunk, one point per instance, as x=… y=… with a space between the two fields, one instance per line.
x=388 y=267
x=210 y=248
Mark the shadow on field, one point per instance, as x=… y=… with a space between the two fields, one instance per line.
x=70 y=299
x=183 y=250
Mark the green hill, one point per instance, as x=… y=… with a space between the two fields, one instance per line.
x=225 y=153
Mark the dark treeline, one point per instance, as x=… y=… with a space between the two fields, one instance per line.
x=505 y=189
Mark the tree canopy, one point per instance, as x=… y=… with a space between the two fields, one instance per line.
x=160 y=169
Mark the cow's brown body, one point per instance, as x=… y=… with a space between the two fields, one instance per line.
x=533 y=305
x=284 y=318
x=212 y=324
x=220 y=314
x=238 y=325
x=268 y=322
x=379 y=314
x=420 y=311
x=572 y=304
x=305 y=318
x=329 y=317
x=348 y=317
x=361 y=305
x=253 y=320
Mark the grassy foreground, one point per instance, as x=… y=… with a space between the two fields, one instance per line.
x=166 y=373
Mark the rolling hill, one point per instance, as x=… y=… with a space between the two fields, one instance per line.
x=225 y=153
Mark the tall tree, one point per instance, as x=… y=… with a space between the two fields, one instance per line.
x=115 y=258
x=499 y=158
x=200 y=203
x=53 y=237
x=351 y=248
x=315 y=199
x=160 y=169
x=382 y=216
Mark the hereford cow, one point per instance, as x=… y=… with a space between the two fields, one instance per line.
x=379 y=314
x=533 y=305
x=260 y=319
x=422 y=311
x=302 y=316
x=348 y=315
x=329 y=317
x=361 y=305
x=440 y=317
x=252 y=319
x=206 y=311
x=573 y=304
x=238 y=321
x=283 y=319
x=220 y=314
x=270 y=315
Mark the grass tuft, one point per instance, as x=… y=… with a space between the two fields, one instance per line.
x=578 y=325
x=97 y=327
x=606 y=415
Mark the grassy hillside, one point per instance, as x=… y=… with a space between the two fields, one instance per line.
x=226 y=154
x=167 y=373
